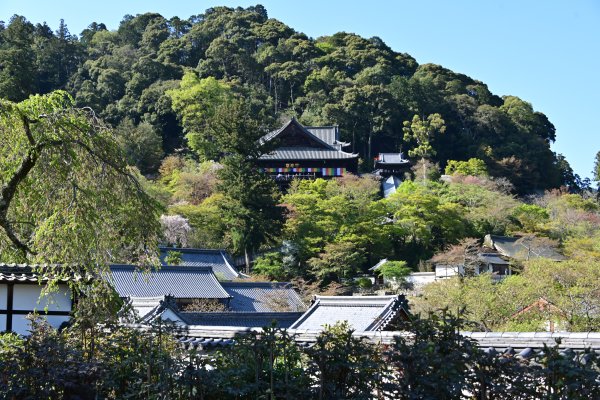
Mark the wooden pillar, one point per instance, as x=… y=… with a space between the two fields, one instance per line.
x=10 y=288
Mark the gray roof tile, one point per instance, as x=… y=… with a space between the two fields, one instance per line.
x=363 y=313
x=324 y=136
x=306 y=153
x=328 y=134
x=217 y=259
x=241 y=319
x=492 y=258
x=293 y=123
x=180 y=282
x=392 y=158
x=263 y=297
x=522 y=248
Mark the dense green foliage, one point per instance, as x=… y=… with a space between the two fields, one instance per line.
x=569 y=286
x=189 y=100
x=472 y=167
x=361 y=84
x=431 y=362
x=66 y=194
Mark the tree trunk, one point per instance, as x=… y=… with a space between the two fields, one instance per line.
x=369 y=145
x=275 y=92
x=247 y=257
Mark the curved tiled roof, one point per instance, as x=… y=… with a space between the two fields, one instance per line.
x=392 y=158
x=263 y=297
x=522 y=248
x=180 y=282
x=241 y=319
x=306 y=153
x=272 y=135
x=324 y=136
x=363 y=313
x=518 y=344
x=217 y=259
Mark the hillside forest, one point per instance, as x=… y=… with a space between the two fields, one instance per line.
x=186 y=100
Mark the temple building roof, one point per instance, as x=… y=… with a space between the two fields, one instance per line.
x=363 y=313
x=297 y=142
x=180 y=282
x=217 y=259
x=263 y=297
x=306 y=153
x=241 y=319
x=523 y=248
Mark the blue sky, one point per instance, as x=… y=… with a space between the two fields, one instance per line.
x=547 y=52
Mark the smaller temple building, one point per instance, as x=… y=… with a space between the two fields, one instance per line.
x=391 y=167
x=306 y=153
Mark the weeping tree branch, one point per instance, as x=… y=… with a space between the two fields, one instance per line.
x=29 y=161
x=8 y=190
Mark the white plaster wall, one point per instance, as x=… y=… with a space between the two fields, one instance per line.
x=421 y=279
x=169 y=315
x=56 y=320
x=20 y=324
x=3 y=290
x=447 y=271
x=27 y=297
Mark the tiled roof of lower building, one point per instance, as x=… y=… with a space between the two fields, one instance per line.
x=217 y=259
x=263 y=297
x=523 y=248
x=148 y=309
x=180 y=282
x=241 y=319
x=492 y=258
x=363 y=313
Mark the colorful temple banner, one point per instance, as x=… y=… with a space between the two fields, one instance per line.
x=323 y=171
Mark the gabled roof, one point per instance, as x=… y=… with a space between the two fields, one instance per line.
x=217 y=259
x=378 y=265
x=263 y=297
x=522 y=248
x=328 y=134
x=293 y=123
x=363 y=313
x=180 y=282
x=492 y=258
x=392 y=158
x=241 y=319
x=327 y=145
x=149 y=309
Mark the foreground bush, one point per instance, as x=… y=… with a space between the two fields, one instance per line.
x=435 y=362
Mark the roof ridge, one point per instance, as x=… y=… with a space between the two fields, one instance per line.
x=272 y=135
x=271 y=284
x=164 y=268
x=190 y=249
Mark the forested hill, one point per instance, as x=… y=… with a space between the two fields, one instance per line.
x=361 y=84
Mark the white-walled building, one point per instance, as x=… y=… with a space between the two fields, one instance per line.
x=21 y=295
